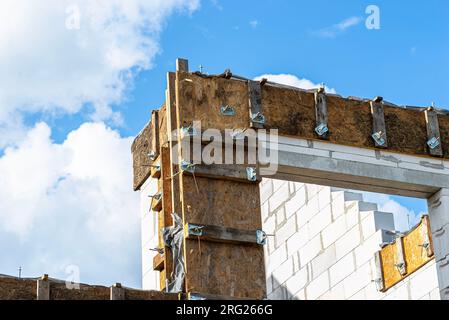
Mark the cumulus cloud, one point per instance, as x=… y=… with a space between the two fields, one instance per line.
x=337 y=29
x=404 y=218
x=58 y=56
x=70 y=203
x=294 y=81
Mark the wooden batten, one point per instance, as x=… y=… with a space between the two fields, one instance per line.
x=159 y=262
x=155 y=135
x=379 y=134
x=224 y=234
x=321 y=128
x=433 y=133
x=257 y=118
x=241 y=173
x=156 y=202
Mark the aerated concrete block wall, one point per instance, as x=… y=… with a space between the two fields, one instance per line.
x=322 y=243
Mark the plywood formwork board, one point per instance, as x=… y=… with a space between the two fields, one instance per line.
x=415 y=254
x=225 y=269
x=200 y=99
x=216 y=268
x=292 y=112
x=140 y=149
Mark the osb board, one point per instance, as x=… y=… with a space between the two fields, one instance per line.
x=200 y=99
x=12 y=288
x=225 y=269
x=414 y=254
x=59 y=291
x=141 y=162
x=217 y=268
x=221 y=203
x=134 y=294
x=292 y=112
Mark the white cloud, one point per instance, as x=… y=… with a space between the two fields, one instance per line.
x=47 y=67
x=254 y=24
x=291 y=80
x=337 y=29
x=404 y=218
x=70 y=203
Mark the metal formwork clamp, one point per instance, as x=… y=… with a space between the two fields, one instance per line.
x=227 y=110
x=251 y=174
x=195 y=230
x=261 y=237
x=258 y=118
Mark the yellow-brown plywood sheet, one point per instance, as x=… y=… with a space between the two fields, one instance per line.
x=415 y=254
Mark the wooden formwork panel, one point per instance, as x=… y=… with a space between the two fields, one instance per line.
x=292 y=112
x=201 y=99
x=217 y=267
x=140 y=149
x=225 y=269
x=221 y=202
x=415 y=255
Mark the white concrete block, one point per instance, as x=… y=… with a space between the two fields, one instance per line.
x=277 y=184
x=269 y=282
x=424 y=281
x=269 y=226
x=276 y=258
x=338 y=205
x=279 y=196
x=280 y=217
x=334 y=231
x=320 y=221
x=296 y=202
x=313 y=206
x=318 y=287
x=297 y=240
x=372 y=221
x=264 y=211
x=357 y=280
x=335 y=293
x=266 y=190
x=340 y=270
x=360 y=295
x=399 y=292
x=312 y=190
x=368 y=248
x=352 y=214
x=324 y=197
x=348 y=242
x=286 y=231
x=279 y=294
x=310 y=250
x=435 y=294
x=300 y=295
x=283 y=272
x=298 y=281
x=323 y=261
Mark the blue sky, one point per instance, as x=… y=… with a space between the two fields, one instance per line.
x=73 y=100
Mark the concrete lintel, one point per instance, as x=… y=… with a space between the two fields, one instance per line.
x=318 y=166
